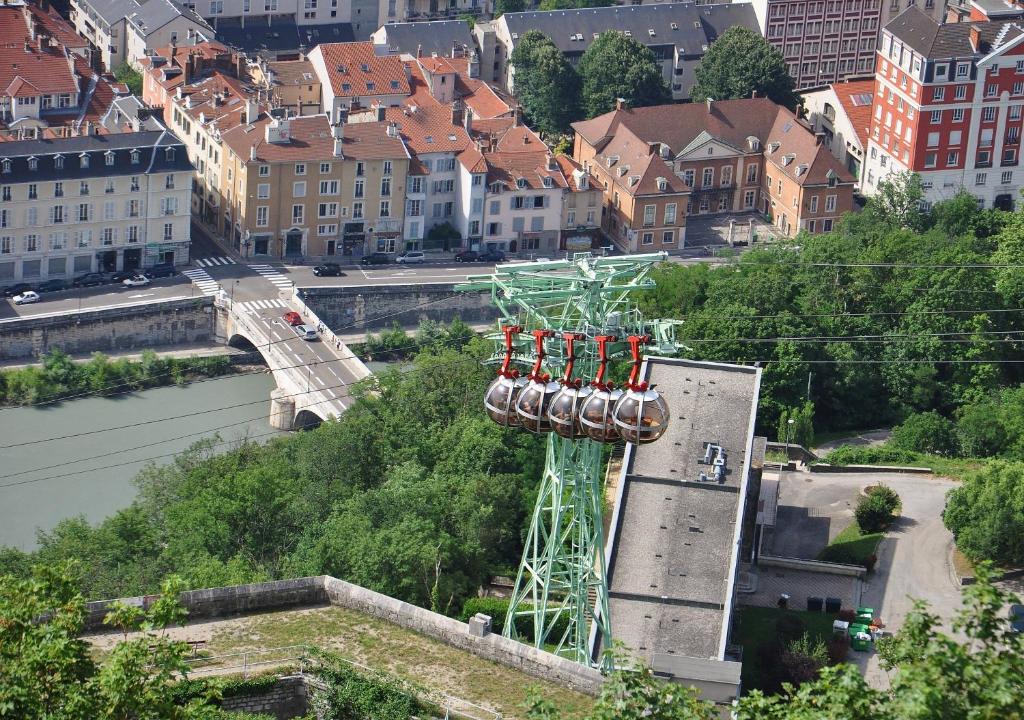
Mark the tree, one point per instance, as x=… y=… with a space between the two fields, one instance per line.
x=545 y=83
x=898 y=200
x=47 y=669
x=615 y=66
x=986 y=513
x=926 y=432
x=503 y=6
x=801 y=432
x=739 y=63
x=875 y=510
x=125 y=73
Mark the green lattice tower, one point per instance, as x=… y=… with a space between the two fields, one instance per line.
x=562 y=574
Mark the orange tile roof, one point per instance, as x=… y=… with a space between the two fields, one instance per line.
x=437 y=64
x=508 y=168
x=520 y=138
x=429 y=128
x=486 y=101
x=472 y=160
x=48 y=70
x=355 y=69
x=311 y=139
x=856 y=96
x=568 y=166
x=14 y=28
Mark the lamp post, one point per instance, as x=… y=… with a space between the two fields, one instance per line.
x=789 y=426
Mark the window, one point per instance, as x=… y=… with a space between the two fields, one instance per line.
x=1010 y=156
x=647 y=238
x=952 y=158
x=299 y=189
x=958 y=114
x=938 y=94
x=930 y=159
x=385 y=208
x=168 y=232
x=325 y=168
x=814 y=204
x=262 y=216
x=357 y=210
x=668 y=237
x=330 y=187
x=83 y=160
x=58 y=162
x=649 y=211
x=33 y=191
x=216 y=7
x=6 y=244
x=474 y=227
x=360 y=169
x=135 y=156
x=955 y=137
x=960 y=93
x=748 y=199
x=107 y=236
x=327 y=210
x=134 y=187
x=5 y=194
x=830 y=203
x=537 y=224
x=32 y=243
x=988 y=114
x=751 y=173
x=83 y=238
x=132 y=208
x=132 y=234
x=109 y=189
x=933 y=139
x=539 y=201
x=414 y=207
x=980 y=178
x=58 y=240
x=670 y=214
x=108 y=158
x=168 y=206
x=688 y=177
x=326 y=230
x=936 y=117
x=385 y=187
x=57 y=215
x=570 y=218
x=387 y=167
x=494 y=228
x=726 y=178
x=298 y=214
x=264 y=171
x=360 y=189
x=1006 y=178
x=708 y=177
x=416 y=184
x=83 y=187
x=108 y=211
x=300 y=168
x=84 y=212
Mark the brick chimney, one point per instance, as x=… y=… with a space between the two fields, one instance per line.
x=621 y=104
x=975 y=37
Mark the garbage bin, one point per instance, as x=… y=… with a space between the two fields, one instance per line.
x=815 y=604
x=860 y=638
x=833 y=605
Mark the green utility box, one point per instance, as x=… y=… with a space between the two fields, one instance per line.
x=860 y=637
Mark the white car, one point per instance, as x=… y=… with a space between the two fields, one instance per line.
x=136 y=281
x=410 y=257
x=306 y=332
x=27 y=297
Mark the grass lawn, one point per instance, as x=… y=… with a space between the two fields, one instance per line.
x=851 y=546
x=756 y=629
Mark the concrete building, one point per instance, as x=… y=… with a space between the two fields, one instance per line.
x=948 y=105
x=660 y=164
x=677 y=33
x=674 y=545
x=842 y=113
x=302 y=186
x=127 y=30
x=93 y=202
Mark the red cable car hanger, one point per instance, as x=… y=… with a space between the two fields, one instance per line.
x=635 y=341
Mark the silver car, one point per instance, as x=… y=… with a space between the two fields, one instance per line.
x=306 y=332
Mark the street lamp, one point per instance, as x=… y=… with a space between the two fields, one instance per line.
x=789 y=426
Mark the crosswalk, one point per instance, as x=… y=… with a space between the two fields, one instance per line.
x=203 y=281
x=272 y=274
x=251 y=306
x=213 y=261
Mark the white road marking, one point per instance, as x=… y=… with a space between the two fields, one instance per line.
x=142 y=295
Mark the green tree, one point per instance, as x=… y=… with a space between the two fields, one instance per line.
x=615 y=66
x=926 y=432
x=125 y=73
x=47 y=669
x=739 y=63
x=874 y=511
x=546 y=84
x=897 y=200
x=503 y=6
x=801 y=431
x=986 y=513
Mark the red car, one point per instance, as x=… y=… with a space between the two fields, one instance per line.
x=292 y=318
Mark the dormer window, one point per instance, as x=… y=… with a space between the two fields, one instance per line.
x=169 y=154
x=800 y=170
x=787 y=159
x=832 y=178
x=134 y=154
x=370 y=87
x=364 y=67
x=83 y=160
x=521 y=183
x=548 y=182
x=58 y=162
x=108 y=157
x=394 y=84
x=753 y=143
x=773 y=146
x=662 y=184
x=33 y=163
x=5 y=165
x=346 y=87
x=495 y=187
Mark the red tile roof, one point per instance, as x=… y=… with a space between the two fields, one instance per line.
x=14 y=26
x=355 y=69
x=428 y=128
x=855 y=96
x=47 y=70
x=311 y=139
x=508 y=168
x=437 y=65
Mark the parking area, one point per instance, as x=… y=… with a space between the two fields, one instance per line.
x=812 y=511
x=713 y=230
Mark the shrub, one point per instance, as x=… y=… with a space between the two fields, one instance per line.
x=926 y=432
x=878 y=455
x=838 y=649
x=802 y=659
x=980 y=431
x=986 y=513
x=873 y=513
x=888 y=496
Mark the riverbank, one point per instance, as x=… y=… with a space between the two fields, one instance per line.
x=58 y=376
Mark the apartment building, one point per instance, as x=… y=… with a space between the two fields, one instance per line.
x=302 y=186
x=659 y=165
x=27 y=21
x=399 y=11
x=127 y=30
x=93 y=202
x=436 y=37
x=581 y=208
x=842 y=113
x=291 y=84
x=37 y=80
x=948 y=105
x=825 y=41
x=677 y=33
x=356 y=75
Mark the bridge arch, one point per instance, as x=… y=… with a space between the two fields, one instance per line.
x=307 y=420
x=242 y=342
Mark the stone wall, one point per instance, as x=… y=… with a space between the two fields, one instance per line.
x=135 y=327
x=287 y=698
x=350 y=309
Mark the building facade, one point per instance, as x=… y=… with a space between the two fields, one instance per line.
x=948 y=105
x=842 y=113
x=92 y=203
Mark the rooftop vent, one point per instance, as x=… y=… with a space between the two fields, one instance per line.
x=650 y=31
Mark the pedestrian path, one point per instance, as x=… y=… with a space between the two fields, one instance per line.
x=274 y=275
x=203 y=281
x=251 y=306
x=213 y=261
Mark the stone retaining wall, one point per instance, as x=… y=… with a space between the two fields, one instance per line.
x=812 y=565
x=134 y=327
x=370 y=307
x=288 y=698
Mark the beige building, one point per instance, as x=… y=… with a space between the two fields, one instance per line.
x=300 y=186
x=291 y=84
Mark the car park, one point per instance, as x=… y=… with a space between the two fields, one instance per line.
x=90 y=280
x=136 y=281
x=491 y=256
x=293 y=318
x=467 y=256
x=51 y=286
x=16 y=289
x=328 y=270
x=375 y=259
x=27 y=297
x=161 y=270
x=306 y=332
x=411 y=257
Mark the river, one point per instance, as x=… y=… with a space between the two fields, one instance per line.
x=67 y=459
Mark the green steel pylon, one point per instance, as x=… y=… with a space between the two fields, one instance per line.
x=562 y=574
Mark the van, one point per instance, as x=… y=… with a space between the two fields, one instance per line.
x=161 y=270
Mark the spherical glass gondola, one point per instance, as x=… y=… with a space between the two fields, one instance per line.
x=596 y=415
x=500 y=400
x=532 y=405
x=641 y=415
x=564 y=411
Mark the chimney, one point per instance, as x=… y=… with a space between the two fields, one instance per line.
x=621 y=104
x=457 y=112
x=455 y=48
x=338 y=133
x=252 y=112
x=174 y=49
x=753 y=94
x=474 y=65
x=710 y=102
x=419 y=51
x=381 y=113
x=252 y=153
x=974 y=34
x=819 y=138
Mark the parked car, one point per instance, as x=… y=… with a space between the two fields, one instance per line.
x=51 y=286
x=136 y=281
x=467 y=256
x=411 y=257
x=161 y=270
x=292 y=318
x=306 y=332
x=123 y=275
x=375 y=259
x=328 y=270
x=90 y=280
x=16 y=289
x=27 y=297
x=491 y=256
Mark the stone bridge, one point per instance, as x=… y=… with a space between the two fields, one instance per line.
x=314 y=378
